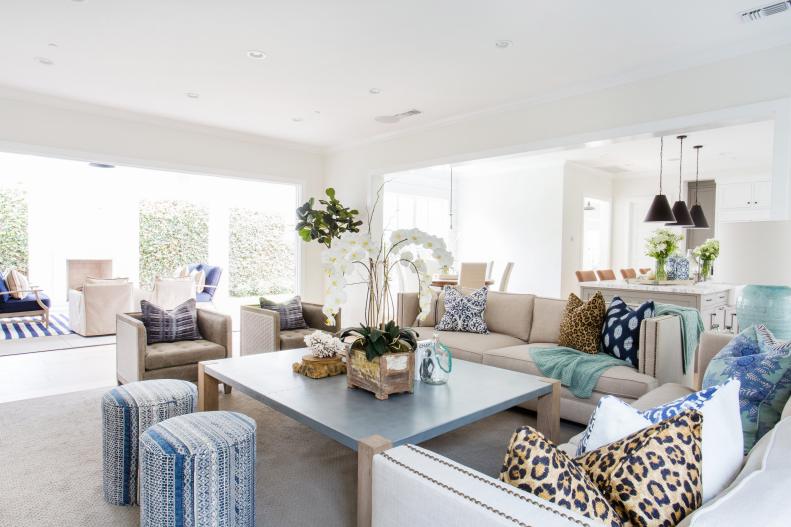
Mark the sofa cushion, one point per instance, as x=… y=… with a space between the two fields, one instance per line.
x=581 y=326
x=3 y=289
x=652 y=477
x=167 y=354
x=620 y=333
x=294 y=338
x=547 y=314
x=290 y=312
x=15 y=305
x=16 y=281
x=170 y=325
x=622 y=381
x=470 y=346
x=534 y=464
x=509 y=314
x=464 y=312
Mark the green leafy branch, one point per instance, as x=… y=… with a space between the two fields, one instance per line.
x=377 y=342
x=327 y=224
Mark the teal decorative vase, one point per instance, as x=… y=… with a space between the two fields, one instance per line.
x=769 y=305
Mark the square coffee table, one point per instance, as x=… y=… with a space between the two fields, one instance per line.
x=357 y=420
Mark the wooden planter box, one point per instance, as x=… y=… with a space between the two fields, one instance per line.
x=388 y=374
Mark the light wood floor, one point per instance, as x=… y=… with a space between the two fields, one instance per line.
x=58 y=371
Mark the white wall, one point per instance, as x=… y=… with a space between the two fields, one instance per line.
x=47 y=126
x=513 y=216
x=631 y=199
x=579 y=182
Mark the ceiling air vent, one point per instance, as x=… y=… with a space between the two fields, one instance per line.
x=389 y=119
x=753 y=15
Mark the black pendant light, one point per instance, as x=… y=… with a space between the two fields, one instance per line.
x=680 y=210
x=696 y=211
x=659 y=211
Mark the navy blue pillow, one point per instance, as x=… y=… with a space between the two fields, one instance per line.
x=3 y=289
x=620 y=335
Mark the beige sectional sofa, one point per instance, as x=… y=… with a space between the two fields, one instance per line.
x=518 y=322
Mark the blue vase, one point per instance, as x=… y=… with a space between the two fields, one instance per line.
x=681 y=267
x=670 y=267
x=769 y=305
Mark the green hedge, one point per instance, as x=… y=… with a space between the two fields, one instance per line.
x=172 y=233
x=13 y=230
x=262 y=262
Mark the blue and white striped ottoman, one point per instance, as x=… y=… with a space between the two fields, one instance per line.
x=198 y=469
x=127 y=411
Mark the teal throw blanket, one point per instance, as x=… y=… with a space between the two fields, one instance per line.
x=691 y=328
x=576 y=370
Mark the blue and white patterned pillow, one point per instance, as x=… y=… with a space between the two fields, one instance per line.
x=464 y=313
x=620 y=334
x=763 y=365
x=693 y=401
x=174 y=325
x=291 y=316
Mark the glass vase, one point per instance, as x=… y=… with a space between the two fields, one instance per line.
x=661 y=272
x=705 y=270
x=769 y=305
x=434 y=361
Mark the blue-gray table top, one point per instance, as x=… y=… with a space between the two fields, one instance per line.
x=474 y=391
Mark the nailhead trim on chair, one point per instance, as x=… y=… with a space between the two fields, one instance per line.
x=482 y=480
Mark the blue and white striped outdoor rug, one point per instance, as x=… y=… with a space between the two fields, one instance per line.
x=28 y=327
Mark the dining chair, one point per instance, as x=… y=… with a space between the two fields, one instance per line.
x=605 y=274
x=628 y=273
x=489 y=269
x=644 y=270
x=503 y=286
x=472 y=275
x=585 y=276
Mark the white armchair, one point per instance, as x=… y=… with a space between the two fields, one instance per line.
x=92 y=310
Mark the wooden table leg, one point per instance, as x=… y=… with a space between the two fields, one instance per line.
x=208 y=390
x=549 y=412
x=366 y=450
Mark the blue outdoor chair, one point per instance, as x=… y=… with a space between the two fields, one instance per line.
x=212 y=274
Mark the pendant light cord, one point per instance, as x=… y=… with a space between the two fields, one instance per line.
x=450 y=201
x=680 y=164
x=697 y=173
x=661 y=151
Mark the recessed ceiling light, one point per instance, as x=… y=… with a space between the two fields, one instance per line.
x=297 y=119
x=53 y=44
x=192 y=94
x=256 y=54
x=374 y=91
x=45 y=61
x=101 y=165
x=502 y=44
x=316 y=112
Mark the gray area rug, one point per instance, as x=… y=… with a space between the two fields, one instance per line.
x=51 y=456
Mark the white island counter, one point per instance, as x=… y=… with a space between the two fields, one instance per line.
x=710 y=298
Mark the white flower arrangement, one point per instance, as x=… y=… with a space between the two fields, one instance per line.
x=323 y=345
x=375 y=259
x=708 y=251
x=662 y=243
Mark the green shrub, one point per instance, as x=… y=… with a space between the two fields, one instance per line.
x=13 y=230
x=262 y=261
x=172 y=234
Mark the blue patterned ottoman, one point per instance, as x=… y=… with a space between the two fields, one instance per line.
x=127 y=411
x=198 y=469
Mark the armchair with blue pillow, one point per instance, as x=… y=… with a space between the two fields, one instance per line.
x=212 y=276
x=23 y=301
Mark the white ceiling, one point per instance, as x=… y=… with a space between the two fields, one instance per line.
x=730 y=150
x=324 y=56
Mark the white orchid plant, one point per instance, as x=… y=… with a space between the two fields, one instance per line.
x=370 y=261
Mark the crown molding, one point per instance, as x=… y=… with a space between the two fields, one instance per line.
x=70 y=104
x=639 y=74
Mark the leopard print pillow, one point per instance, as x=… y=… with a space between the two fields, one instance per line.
x=535 y=465
x=652 y=477
x=580 y=327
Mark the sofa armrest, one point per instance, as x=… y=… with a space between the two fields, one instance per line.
x=711 y=342
x=216 y=327
x=407 y=309
x=259 y=330
x=130 y=348
x=415 y=487
x=316 y=319
x=661 y=354
x=77 y=311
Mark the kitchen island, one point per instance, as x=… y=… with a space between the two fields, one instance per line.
x=710 y=298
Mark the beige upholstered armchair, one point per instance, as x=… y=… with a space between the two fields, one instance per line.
x=92 y=309
x=137 y=361
x=260 y=329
